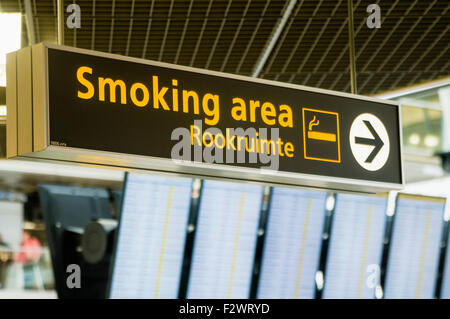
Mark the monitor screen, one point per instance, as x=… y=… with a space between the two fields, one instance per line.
x=356 y=246
x=67 y=209
x=72 y=206
x=445 y=285
x=292 y=244
x=151 y=237
x=414 y=249
x=225 y=240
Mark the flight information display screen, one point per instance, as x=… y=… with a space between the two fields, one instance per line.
x=225 y=240
x=151 y=237
x=445 y=288
x=292 y=244
x=414 y=252
x=356 y=246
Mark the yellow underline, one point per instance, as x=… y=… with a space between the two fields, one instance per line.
x=364 y=255
x=236 y=245
x=163 y=242
x=330 y=137
x=423 y=253
x=302 y=248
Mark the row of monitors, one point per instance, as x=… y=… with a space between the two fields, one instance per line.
x=151 y=241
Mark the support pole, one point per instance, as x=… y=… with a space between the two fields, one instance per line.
x=61 y=22
x=351 y=46
x=29 y=22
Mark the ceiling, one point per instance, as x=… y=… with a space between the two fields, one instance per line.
x=412 y=45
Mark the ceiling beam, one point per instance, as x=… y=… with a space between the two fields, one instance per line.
x=29 y=22
x=216 y=40
x=429 y=48
x=437 y=58
x=273 y=39
x=163 y=44
x=93 y=26
x=252 y=39
x=274 y=55
x=236 y=34
x=200 y=36
x=130 y=29
x=297 y=43
x=147 y=33
x=182 y=38
x=341 y=55
x=111 y=31
x=393 y=51
x=318 y=37
x=388 y=37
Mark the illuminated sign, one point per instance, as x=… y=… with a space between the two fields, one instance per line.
x=314 y=135
x=97 y=108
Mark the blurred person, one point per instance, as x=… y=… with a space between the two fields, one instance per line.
x=29 y=256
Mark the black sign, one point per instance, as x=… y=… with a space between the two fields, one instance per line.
x=121 y=105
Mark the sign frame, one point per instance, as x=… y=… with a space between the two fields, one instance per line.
x=28 y=129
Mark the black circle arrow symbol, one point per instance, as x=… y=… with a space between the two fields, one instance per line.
x=375 y=141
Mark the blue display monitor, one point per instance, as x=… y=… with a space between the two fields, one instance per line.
x=415 y=245
x=445 y=285
x=151 y=237
x=356 y=246
x=292 y=244
x=225 y=240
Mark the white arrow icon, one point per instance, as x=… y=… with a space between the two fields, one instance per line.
x=369 y=142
